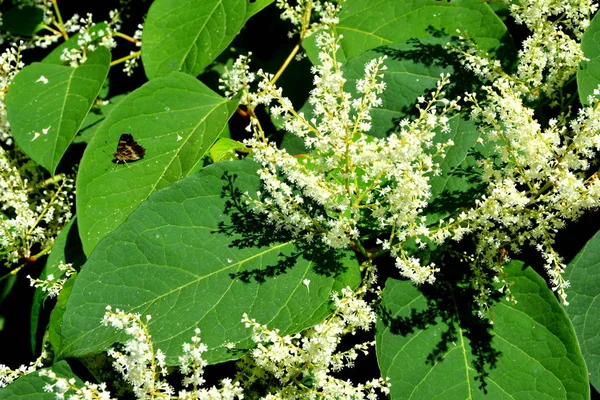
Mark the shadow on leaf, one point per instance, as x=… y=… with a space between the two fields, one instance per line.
x=450 y=304
x=248 y=229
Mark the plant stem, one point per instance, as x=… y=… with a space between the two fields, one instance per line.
x=287 y=61
x=61 y=24
x=122 y=59
x=126 y=37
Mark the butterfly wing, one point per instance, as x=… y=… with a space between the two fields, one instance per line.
x=128 y=150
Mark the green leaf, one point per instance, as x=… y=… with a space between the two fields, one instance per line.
x=225 y=149
x=177 y=119
x=31 y=387
x=24 y=21
x=192 y=256
x=584 y=274
x=66 y=249
x=459 y=182
x=187 y=35
x=94 y=118
x=55 y=324
x=46 y=105
x=588 y=74
x=539 y=354
x=366 y=24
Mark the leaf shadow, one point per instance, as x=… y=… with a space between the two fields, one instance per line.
x=448 y=201
x=432 y=52
x=248 y=229
x=450 y=304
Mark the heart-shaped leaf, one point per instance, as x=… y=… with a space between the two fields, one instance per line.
x=192 y=256
x=176 y=119
x=47 y=103
x=532 y=345
x=187 y=35
x=366 y=24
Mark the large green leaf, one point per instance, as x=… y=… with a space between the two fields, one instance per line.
x=459 y=183
x=66 y=249
x=193 y=256
x=366 y=24
x=584 y=274
x=47 y=103
x=176 y=118
x=94 y=118
x=31 y=387
x=24 y=21
x=539 y=354
x=588 y=75
x=187 y=35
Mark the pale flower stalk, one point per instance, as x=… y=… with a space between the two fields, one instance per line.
x=351 y=178
x=295 y=360
x=146 y=369
x=26 y=224
x=548 y=182
x=52 y=285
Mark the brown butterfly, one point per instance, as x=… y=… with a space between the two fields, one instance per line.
x=128 y=150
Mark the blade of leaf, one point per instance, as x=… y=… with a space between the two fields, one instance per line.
x=177 y=119
x=187 y=257
x=588 y=75
x=66 y=249
x=24 y=21
x=584 y=294
x=366 y=24
x=540 y=356
x=187 y=35
x=46 y=105
x=31 y=386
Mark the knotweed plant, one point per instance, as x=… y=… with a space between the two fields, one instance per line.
x=351 y=181
x=380 y=219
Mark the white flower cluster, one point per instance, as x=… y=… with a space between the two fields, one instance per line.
x=299 y=15
x=67 y=388
x=547 y=183
x=351 y=180
x=53 y=285
x=237 y=79
x=10 y=64
x=146 y=369
x=302 y=364
x=90 y=37
x=132 y=62
x=24 y=224
x=552 y=53
x=137 y=362
x=8 y=375
x=547 y=186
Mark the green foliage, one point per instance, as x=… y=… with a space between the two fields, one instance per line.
x=173 y=234
x=177 y=119
x=176 y=39
x=151 y=264
x=47 y=104
x=447 y=344
x=588 y=74
x=32 y=386
x=25 y=21
x=585 y=278
x=369 y=24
